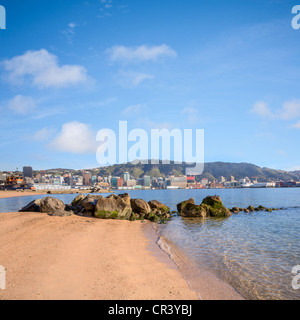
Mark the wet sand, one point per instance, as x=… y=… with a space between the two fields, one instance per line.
x=79 y=258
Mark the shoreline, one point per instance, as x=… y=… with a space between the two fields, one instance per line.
x=204 y=283
x=75 y=258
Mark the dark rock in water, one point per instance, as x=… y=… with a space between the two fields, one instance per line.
x=210 y=207
x=236 y=210
x=251 y=208
x=140 y=207
x=159 y=207
x=192 y=211
x=215 y=207
x=33 y=206
x=182 y=205
x=113 y=207
x=269 y=210
x=261 y=208
x=52 y=206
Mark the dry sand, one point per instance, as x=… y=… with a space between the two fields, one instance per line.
x=16 y=194
x=80 y=258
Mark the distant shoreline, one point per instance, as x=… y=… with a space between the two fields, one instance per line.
x=19 y=193
x=28 y=193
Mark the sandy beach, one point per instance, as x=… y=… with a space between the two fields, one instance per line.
x=16 y=194
x=79 y=258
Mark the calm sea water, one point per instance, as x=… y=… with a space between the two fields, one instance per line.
x=253 y=252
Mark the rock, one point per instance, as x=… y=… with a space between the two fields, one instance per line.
x=160 y=208
x=183 y=204
x=269 y=210
x=193 y=211
x=261 y=208
x=126 y=198
x=33 y=206
x=78 y=200
x=216 y=207
x=89 y=203
x=52 y=206
x=140 y=207
x=96 y=190
x=246 y=210
x=113 y=207
x=236 y=210
x=251 y=208
x=210 y=207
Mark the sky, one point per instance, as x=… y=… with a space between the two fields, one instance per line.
x=71 y=68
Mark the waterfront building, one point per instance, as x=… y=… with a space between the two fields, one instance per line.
x=27 y=172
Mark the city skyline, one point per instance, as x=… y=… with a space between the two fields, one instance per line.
x=70 y=69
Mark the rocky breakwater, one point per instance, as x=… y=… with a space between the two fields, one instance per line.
x=213 y=207
x=120 y=207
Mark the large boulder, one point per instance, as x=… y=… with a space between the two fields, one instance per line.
x=193 y=211
x=78 y=200
x=89 y=203
x=140 y=207
x=215 y=207
x=33 y=206
x=159 y=207
x=53 y=206
x=210 y=207
x=113 y=207
x=182 y=205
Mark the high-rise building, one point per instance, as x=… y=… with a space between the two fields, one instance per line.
x=27 y=172
x=147 y=181
x=126 y=176
x=221 y=179
x=87 y=179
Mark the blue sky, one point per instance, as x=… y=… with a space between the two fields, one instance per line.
x=71 y=68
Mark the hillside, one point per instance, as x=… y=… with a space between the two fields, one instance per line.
x=212 y=171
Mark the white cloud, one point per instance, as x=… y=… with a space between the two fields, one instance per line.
x=139 y=54
x=261 y=108
x=43 y=134
x=42 y=68
x=132 y=79
x=289 y=110
x=22 y=104
x=70 y=32
x=75 y=137
x=134 y=109
x=296 y=125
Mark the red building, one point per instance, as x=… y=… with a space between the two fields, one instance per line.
x=191 y=179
